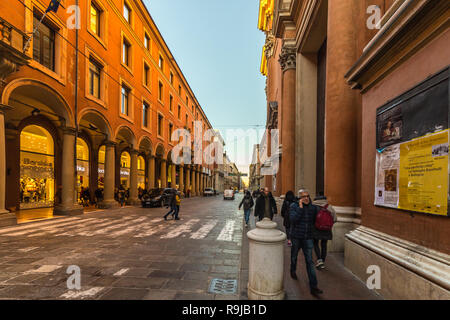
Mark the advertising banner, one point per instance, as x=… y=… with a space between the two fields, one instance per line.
x=424 y=174
x=414 y=175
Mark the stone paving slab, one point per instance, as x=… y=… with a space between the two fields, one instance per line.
x=126 y=253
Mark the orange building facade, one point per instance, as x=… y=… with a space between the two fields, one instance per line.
x=131 y=96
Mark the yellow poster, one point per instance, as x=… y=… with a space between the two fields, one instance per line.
x=424 y=174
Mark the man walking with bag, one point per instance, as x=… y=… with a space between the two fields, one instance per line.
x=248 y=203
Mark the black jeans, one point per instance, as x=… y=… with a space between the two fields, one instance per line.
x=321 y=252
x=306 y=246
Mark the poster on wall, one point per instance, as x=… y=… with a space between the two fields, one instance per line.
x=387 y=177
x=412 y=146
x=424 y=174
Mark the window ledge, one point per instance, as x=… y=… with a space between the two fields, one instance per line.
x=36 y=65
x=129 y=119
x=99 y=101
x=128 y=68
x=98 y=38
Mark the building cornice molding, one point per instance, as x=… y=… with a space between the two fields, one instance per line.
x=410 y=28
x=284 y=17
x=427 y=263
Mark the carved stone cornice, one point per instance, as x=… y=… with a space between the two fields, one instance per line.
x=409 y=29
x=269 y=45
x=288 y=57
x=272 y=122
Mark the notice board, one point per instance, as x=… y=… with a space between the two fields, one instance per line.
x=412 y=162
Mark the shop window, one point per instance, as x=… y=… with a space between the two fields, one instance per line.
x=125 y=165
x=101 y=167
x=141 y=172
x=37 y=161
x=82 y=170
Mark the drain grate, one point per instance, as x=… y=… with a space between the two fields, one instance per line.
x=222 y=286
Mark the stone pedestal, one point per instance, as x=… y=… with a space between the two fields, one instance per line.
x=266 y=261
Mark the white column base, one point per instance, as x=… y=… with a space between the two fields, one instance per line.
x=408 y=271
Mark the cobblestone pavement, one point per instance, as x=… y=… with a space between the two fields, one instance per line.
x=127 y=253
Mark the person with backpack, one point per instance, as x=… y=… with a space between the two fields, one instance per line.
x=322 y=232
x=248 y=203
x=288 y=200
x=302 y=216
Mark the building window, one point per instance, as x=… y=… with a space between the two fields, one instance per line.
x=146 y=75
x=179 y=90
x=145 y=114
x=94 y=23
x=171 y=78
x=179 y=112
x=170 y=131
x=161 y=62
x=170 y=102
x=186 y=120
x=44 y=44
x=94 y=78
x=160 y=122
x=160 y=91
x=127 y=12
x=147 y=42
x=126 y=47
x=187 y=101
x=125 y=100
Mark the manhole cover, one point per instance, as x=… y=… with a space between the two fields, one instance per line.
x=222 y=286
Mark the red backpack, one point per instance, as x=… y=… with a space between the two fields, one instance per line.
x=324 y=219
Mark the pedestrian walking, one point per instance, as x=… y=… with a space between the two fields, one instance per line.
x=248 y=203
x=177 y=205
x=266 y=206
x=302 y=215
x=121 y=195
x=288 y=200
x=322 y=232
x=172 y=204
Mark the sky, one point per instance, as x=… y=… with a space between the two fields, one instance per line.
x=218 y=47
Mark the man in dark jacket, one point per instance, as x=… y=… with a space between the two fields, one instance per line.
x=172 y=203
x=302 y=216
x=266 y=206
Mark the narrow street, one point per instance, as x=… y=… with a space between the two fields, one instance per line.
x=128 y=253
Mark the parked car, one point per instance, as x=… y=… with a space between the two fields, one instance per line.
x=156 y=198
x=228 y=194
x=208 y=192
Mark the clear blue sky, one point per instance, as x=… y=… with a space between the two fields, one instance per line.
x=218 y=47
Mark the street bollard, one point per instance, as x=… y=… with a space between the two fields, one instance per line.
x=266 y=261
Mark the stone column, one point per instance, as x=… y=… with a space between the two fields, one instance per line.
x=174 y=176
x=6 y=218
x=68 y=205
x=163 y=174
x=188 y=178
x=181 y=188
x=134 y=178
x=193 y=175
x=287 y=61
x=197 y=182
x=341 y=110
x=110 y=177
x=151 y=172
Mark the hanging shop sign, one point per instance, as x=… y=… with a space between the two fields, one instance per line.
x=412 y=161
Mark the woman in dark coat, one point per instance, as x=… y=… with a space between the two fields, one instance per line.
x=288 y=200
